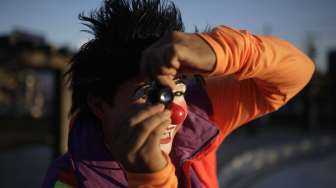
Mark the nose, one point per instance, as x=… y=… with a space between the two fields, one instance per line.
x=178 y=114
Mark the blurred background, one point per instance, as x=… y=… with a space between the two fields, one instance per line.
x=293 y=147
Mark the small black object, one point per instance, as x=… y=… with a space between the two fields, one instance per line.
x=160 y=94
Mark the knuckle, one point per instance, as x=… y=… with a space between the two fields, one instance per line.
x=143 y=128
x=156 y=117
x=157 y=133
x=134 y=118
x=131 y=121
x=162 y=79
x=159 y=116
x=151 y=109
x=154 y=109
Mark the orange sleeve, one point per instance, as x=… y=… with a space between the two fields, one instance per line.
x=163 y=178
x=254 y=75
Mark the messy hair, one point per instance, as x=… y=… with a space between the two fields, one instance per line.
x=122 y=29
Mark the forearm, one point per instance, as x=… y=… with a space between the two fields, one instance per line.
x=276 y=65
x=254 y=75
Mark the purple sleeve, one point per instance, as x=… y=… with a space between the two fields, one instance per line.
x=60 y=164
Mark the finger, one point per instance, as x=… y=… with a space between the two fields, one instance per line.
x=170 y=57
x=167 y=81
x=144 y=130
x=175 y=63
x=168 y=71
x=130 y=141
x=144 y=113
x=136 y=114
x=154 y=138
x=159 y=60
x=159 y=65
x=188 y=71
x=125 y=121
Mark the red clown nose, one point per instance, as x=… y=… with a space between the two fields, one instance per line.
x=178 y=114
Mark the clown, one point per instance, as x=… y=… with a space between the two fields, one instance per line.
x=136 y=123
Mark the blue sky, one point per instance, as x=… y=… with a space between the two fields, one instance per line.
x=293 y=20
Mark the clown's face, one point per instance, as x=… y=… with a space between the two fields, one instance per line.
x=134 y=91
x=178 y=110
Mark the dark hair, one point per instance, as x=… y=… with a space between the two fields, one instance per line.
x=122 y=29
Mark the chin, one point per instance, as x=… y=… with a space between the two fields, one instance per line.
x=166 y=148
x=166 y=140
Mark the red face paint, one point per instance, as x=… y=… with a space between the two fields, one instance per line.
x=178 y=113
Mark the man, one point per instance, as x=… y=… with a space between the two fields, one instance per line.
x=119 y=137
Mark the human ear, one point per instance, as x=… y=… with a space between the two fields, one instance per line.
x=95 y=105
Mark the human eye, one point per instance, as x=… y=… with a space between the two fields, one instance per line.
x=180 y=89
x=141 y=92
x=178 y=93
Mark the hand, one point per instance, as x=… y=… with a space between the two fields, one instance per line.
x=137 y=143
x=177 y=53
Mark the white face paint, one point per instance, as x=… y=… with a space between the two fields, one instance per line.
x=179 y=111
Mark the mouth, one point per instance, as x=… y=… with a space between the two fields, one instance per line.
x=167 y=136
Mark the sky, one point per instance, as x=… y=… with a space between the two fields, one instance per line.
x=293 y=20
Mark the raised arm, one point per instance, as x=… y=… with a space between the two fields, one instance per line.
x=253 y=75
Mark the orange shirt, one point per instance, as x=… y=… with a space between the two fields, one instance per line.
x=254 y=75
